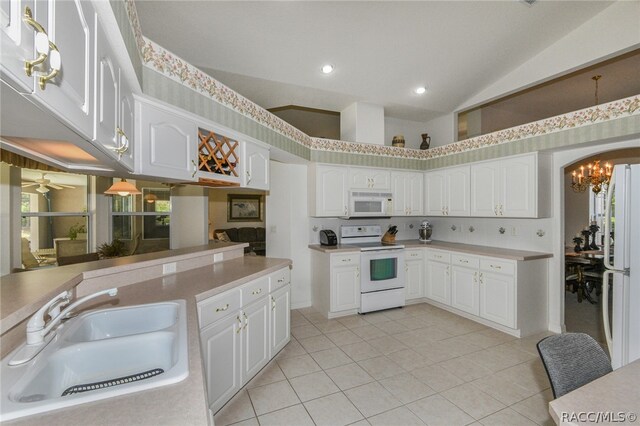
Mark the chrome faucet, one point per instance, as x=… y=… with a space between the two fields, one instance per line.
x=37 y=331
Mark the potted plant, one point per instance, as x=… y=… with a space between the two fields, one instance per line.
x=115 y=248
x=77 y=230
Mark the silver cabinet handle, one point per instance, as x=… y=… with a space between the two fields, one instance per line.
x=358 y=272
x=501 y=213
x=496 y=266
x=281 y=280
x=346 y=260
x=246 y=320
x=475 y=277
x=248 y=176
x=273 y=304
x=239 y=324
x=495 y=210
x=481 y=278
x=224 y=308
x=258 y=291
x=464 y=261
x=195 y=168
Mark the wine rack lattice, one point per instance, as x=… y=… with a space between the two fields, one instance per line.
x=217 y=153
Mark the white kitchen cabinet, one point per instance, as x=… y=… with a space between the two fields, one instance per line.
x=447 y=192
x=166 y=142
x=17 y=44
x=328 y=191
x=513 y=187
x=71 y=26
x=345 y=287
x=256 y=166
x=438 y=286
x=280 y=319
x=465 y=289
x=497 y=298
x=114 y=118
x=408 y=190
x=414 y=274
x=221 y=352
x=362 y=178
x=255 y=338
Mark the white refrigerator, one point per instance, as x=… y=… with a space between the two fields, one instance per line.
x=622 y=263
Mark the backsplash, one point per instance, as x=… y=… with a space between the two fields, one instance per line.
x=519 y=234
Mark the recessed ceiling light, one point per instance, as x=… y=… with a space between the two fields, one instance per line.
x=327 y=69
x=420 y=90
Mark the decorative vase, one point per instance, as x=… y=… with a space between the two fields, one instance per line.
x=398 y=141
x=594 y=229
x=426 y=141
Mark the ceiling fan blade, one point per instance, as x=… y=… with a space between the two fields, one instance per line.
x=27 y=184
x=54 y=186
x=65 y=186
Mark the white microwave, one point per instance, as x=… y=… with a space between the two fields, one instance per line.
x=370 y=204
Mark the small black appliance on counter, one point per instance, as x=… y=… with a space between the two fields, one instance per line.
x=328 y=238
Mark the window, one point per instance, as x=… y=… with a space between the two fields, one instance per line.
x=597 y=204
x=143 y=222
x=54 y=221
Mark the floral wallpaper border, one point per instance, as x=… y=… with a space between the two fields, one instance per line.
x=161 y=60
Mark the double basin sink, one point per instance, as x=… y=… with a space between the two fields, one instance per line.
x=98 y=355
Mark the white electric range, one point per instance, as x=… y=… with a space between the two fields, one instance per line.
x=382 y=277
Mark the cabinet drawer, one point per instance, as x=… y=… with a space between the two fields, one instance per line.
x=279 y=279
x=466 y=261
x=498 y=266
x=255 y=290
x=345 y=259
x=414 y=254
x=217 y=307
x=439 y=256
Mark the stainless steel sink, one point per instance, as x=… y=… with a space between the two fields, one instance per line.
x=99 y=355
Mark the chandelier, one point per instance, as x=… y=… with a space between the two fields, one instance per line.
x=595 y=176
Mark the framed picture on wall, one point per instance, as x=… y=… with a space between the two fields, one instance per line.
x=244 y=208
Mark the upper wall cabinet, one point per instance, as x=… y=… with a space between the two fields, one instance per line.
x=18 y=40
x=361 y=178
x=447 y=192
x=114 y=118
x=256 y=166
x=408 y=193
x=166 y=142
x=219 y=157
x=513 y=187
x=328 y=190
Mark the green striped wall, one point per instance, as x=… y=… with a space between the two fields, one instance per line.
x=122 y=18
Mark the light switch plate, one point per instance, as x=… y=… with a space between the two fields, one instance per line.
x=169 y=268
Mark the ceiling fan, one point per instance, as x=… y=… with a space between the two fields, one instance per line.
x=44 y=184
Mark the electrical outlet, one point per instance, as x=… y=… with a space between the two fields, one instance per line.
x=169 y=268
x=217 y=257
x=514 y=231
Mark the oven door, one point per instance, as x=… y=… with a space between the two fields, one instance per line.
x=382 y=270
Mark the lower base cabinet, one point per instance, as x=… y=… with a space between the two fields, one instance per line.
x=497 y=298
x=465 y=289
x=241 y=340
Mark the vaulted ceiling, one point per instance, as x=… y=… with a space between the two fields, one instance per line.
x=272 y=52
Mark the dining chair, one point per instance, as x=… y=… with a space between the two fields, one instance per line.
x=572 y=360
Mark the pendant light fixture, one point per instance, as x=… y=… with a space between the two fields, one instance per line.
x=122 y=188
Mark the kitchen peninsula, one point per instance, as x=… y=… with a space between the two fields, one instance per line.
x=201 y=273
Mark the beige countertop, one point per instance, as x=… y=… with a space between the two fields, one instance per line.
x=183 y=402
x=522 y=255
x=21 y=294
x=614 y=393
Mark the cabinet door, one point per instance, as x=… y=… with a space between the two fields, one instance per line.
x=465 y=289
x=519 y=187
x=345 y=287
x=414 y=190
x=485 y=196
x=380 y=179
x=438 y=287
x=359 y=178
x=435 y=188
x=497 y=298
x=256 y=163
x=457 y=192
x=331 y=191
x=255 y=338
x=280 y=319
x=166 y=144
x=414 y=277
x=71 y=26
x=107 y=92
x=398 y=182
x=17 y=44
x=221 y=350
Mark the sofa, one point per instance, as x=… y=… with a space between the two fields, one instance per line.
x=254 y=236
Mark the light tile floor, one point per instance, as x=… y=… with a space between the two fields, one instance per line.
x=412 y=366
